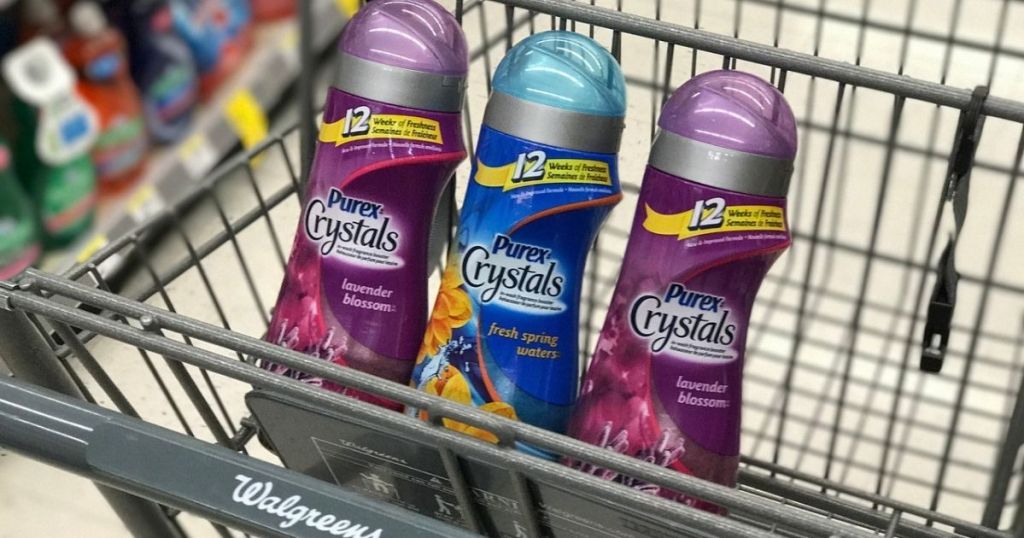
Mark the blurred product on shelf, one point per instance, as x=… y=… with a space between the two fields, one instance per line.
x=504 y=331
x=97 y=51
x=56 y=130
x=665 y=382
x=9 y=16
x=355 y=289
x=8 y=25
x=267 y=10
x=19 y=234
x=217 y=32
x=162 y=66
x=40 y=18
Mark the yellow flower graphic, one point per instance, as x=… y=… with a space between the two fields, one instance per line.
x=447 y=383
x=498 y=408
x=450 y=384
x=451 y=311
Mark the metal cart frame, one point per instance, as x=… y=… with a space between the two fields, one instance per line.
x=49 y=325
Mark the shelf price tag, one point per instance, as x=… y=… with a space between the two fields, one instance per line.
x=144 y=203
x=290 y=46
x=197 y=155
x=348 y=7
x=91 y=247
x=247 y=118
x=106 y=267
x=290 y=39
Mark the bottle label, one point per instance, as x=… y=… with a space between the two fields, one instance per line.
x=355 y=289
x=534 y=168
x=357 y=231
x=671 y=350
x=69 y=201
x=120 y=147
x=16 y=235
x=503 y=332
x=715 y=216
x=360 y=123
x=210 y=28
x=172 y=94
x=519 y=276
x=67 y=128
x=685 y=323
x=104 y=67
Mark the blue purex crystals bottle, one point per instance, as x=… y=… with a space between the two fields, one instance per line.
x=504 y=329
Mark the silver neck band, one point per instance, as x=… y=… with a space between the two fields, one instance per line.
x=719 y=167
x=398 y=86
x=553 y=126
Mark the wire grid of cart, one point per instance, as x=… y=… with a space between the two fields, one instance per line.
x=843 y=435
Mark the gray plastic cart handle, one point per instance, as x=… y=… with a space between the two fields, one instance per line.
x=184 y=473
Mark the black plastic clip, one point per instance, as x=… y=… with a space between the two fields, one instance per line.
x=956 y=189
x=939 y=320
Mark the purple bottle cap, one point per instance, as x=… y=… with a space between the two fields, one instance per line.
x=404 y=52
x=411 y=34
x=728 y=129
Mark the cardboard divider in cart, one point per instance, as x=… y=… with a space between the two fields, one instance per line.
x=408 y=463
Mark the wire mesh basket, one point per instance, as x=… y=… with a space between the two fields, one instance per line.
x=842 y=433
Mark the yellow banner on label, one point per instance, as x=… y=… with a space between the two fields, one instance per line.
x=393 y=126
x=532 y=173
x=713 y=220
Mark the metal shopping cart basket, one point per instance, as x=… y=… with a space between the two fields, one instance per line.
x=136 y=367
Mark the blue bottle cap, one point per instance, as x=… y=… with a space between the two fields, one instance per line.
x=560 y=89
x=563 y=70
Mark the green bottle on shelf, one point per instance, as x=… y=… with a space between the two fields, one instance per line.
x=19 y=232
x=56 y=130
x=65 y=198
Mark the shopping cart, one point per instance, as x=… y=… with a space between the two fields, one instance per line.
x=844 y=435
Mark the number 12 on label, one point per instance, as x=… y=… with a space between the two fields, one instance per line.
x=714 y=207
x=357 y=121
x=529 y=166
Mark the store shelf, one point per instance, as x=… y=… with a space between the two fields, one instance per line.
x=235 y=115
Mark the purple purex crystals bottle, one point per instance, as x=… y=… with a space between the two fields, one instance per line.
x=355 y=289
x=665 y=382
